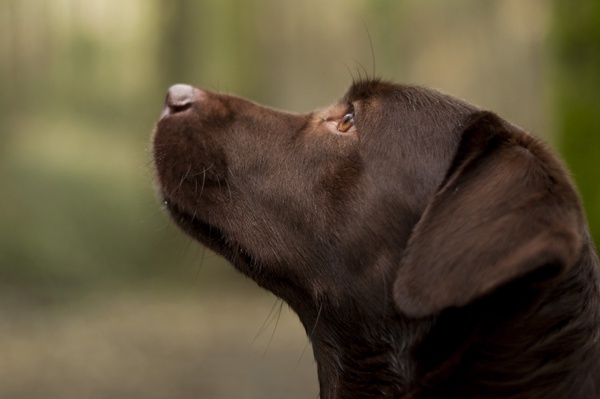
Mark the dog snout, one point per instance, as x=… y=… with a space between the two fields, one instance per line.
x=180 y=97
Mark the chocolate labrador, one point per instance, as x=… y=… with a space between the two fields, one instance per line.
x=430 y=248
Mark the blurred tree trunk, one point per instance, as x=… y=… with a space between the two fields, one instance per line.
x=209 y=43
x=178 y=27
x=577 y=48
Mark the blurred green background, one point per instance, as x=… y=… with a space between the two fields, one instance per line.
x=100 y=296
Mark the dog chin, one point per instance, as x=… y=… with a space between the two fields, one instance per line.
x=211 y=236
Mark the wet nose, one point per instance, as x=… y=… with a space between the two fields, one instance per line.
x=179 y=98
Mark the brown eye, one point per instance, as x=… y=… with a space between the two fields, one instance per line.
x=346 y=123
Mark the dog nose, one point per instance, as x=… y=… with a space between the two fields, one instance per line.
x=179 y=98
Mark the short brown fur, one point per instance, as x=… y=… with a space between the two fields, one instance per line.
x=431 y=251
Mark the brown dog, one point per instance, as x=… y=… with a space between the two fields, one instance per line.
x=430 y=249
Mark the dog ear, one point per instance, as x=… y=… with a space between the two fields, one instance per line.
x=505 y=209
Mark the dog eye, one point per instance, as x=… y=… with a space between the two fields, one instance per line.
x=346 y=123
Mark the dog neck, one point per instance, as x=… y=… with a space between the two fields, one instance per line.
x=359 y=360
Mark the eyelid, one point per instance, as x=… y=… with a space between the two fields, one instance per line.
x=334 y=119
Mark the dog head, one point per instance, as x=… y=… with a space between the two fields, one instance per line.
x=393 y=195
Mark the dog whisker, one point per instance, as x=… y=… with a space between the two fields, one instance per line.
x=267 y=321
x=274 y=327
x=311 y=335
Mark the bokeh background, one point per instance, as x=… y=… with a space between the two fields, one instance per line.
x=100 y=295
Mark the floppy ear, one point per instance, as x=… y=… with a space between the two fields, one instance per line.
x=506 y=208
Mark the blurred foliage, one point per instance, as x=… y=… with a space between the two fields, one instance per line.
x=78 y=207
x=82 y=82
x=577 y=45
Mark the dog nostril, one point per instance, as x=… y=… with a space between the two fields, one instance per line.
x=179 y=98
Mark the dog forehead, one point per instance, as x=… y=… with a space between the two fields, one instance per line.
x=367 y=89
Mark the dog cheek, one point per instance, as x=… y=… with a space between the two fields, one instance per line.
x=340 y=181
